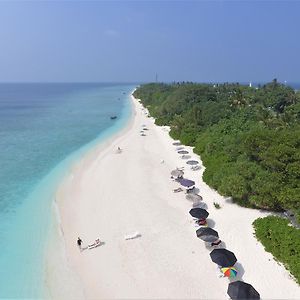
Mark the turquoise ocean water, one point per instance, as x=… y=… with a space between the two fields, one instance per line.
x=44 y=128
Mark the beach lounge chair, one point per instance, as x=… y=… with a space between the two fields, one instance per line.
x=178 y=190
x=202 y=222
x=216 y=243
x=132 y=236
x=195 y=168
x=95 y=244
x=219 y=272
x=190 y=190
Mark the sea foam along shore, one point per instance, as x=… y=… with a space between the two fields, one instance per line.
x=110 y=195
x=60 y=281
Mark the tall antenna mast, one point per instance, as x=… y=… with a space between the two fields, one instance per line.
x=156 y=77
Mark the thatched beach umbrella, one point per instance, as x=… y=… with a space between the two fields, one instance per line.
x=223 y=257
x=193 y=197
x=242 y=290
x=177 y=144
x=184 y=156
x=207 y=234
x=177 y=173
x=183 y=152
x=196 y=200
x=192 y=162
x=186 y=182
x=199 y=213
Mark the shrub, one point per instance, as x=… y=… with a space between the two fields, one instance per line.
x=282 y=240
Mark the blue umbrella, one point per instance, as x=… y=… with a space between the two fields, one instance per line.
x=186 y=182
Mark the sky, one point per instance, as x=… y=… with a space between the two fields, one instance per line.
x=132 y=41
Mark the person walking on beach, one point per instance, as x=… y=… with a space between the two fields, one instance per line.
x=79 y=243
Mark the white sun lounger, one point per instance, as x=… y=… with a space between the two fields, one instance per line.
x=195 y=168
x=132 y=236
x=94 y=245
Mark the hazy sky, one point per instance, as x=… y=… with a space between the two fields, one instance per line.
x=133 y=40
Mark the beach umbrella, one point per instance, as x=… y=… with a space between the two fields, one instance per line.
x=242 y=290
x=223 y=257
x=193 y=197
x=179 y=148
x=207 y=234
x=177 y=144
x=177 y=173
x=196 y=199
x=192 y=162
x=183 y=152
x=197 y=204
x=229 y=272
x=199 y=213
x=185 y=156
x=186 y=182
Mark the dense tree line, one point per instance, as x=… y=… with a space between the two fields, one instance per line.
x=248 y=137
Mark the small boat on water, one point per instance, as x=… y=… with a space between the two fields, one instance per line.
x=113 y=117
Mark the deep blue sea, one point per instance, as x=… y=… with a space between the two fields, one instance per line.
x=44 y=128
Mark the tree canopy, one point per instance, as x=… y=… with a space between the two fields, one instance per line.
x=248 y=137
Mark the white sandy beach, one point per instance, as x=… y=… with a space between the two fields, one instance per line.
x=110 y=195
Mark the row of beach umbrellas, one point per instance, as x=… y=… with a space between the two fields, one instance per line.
x=180 y=150
x=221 y=256
x=143 y=129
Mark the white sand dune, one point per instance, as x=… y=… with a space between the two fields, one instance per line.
x=110 y=196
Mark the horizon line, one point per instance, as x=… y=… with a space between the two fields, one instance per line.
x=145 y=82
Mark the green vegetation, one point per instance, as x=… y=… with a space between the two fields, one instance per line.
x=217 y=205
x=249 y=141
x=248 y=138
x=282 y=240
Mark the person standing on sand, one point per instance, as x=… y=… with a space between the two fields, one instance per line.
x=79 y=243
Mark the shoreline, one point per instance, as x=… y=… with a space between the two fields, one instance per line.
x=56 y=253
x=177 y=264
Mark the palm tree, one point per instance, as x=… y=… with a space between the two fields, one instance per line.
x=238 y=99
